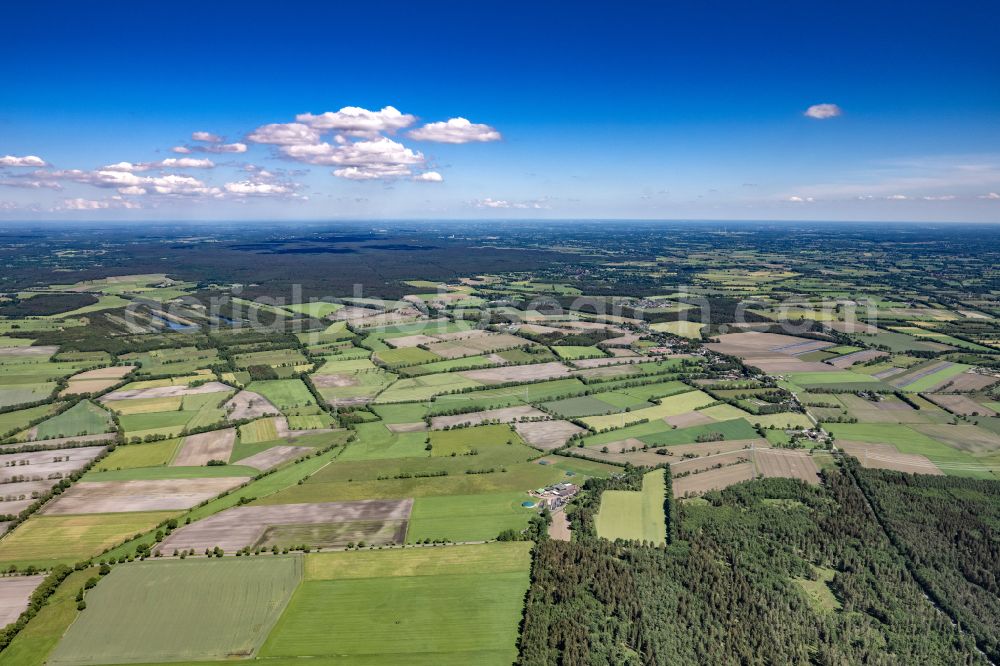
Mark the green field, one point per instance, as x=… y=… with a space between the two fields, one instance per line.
x=425 y=387
x=907 y=440
x=11 y=422
x=139 y=455
x=638 y=515
x=515 y=477
x=33 y=643
x=316 y=309
x=457 y=605
x=83 y=418
x=406 y=356
x=670 y=406
x=261 y=430
x=465 y=441
x=576 y=352
x=53 y=539
x=180 y=610
x=285 y=394
x=467 y=517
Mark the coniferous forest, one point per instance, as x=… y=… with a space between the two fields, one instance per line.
x=774 y=571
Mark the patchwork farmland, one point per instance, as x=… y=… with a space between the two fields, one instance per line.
x=450 y=472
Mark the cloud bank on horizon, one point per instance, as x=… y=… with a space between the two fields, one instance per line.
x=693 y=112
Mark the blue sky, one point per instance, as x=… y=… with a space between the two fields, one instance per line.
x=692 y=110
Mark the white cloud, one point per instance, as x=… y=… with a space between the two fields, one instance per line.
x=502 y=203
x=823 y=111
x=224 y=148
x=284 y=134
x=206 y=136
x=125 y=166
x=84 y=204
x=429 y=177
x=26 y=161
x=357 y=121
x=372 y=172
x=993 y=196
x=250 y=188
x=940 y=197
x=455 y=130
x=132 y=189
x=897 y=197
x=182 y=150
x=359 y=160
x=30 y=184
x=798 y=199
x=184 y=163
x=97 y=204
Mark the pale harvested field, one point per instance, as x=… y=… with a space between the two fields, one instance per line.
x=713 y=448
x=126 y=496
x=40 y=465
x=968 y=438
x=505 y=415
x=852 y=327
x=410 y=341
x=249 y=405
x=606 y=371
x=585 y=363
x=847 y=360
x=80 y=386
x=970 y=381
x=352 y=313
x=42 y=350
x=959 y=404
x=167 y=391
x=336 y=380
x=243 y=526
x=787 y=463
x=404 y=316
x=274 y=456
x=416 y=426
x=21 y=490
x=707 y=462
x=518 y=373
x=885 y=456
x=688 y=419
x=14 y=507
x=714 y=479
x=14 y=594
x=547 y=435
x=620 y=341
x=538 y=329
x=198 y=450
x=475 y=345
x=771 y=352
x=462 y=335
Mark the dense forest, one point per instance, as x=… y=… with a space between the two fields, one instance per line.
x=771 y=571
x=949 y=530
